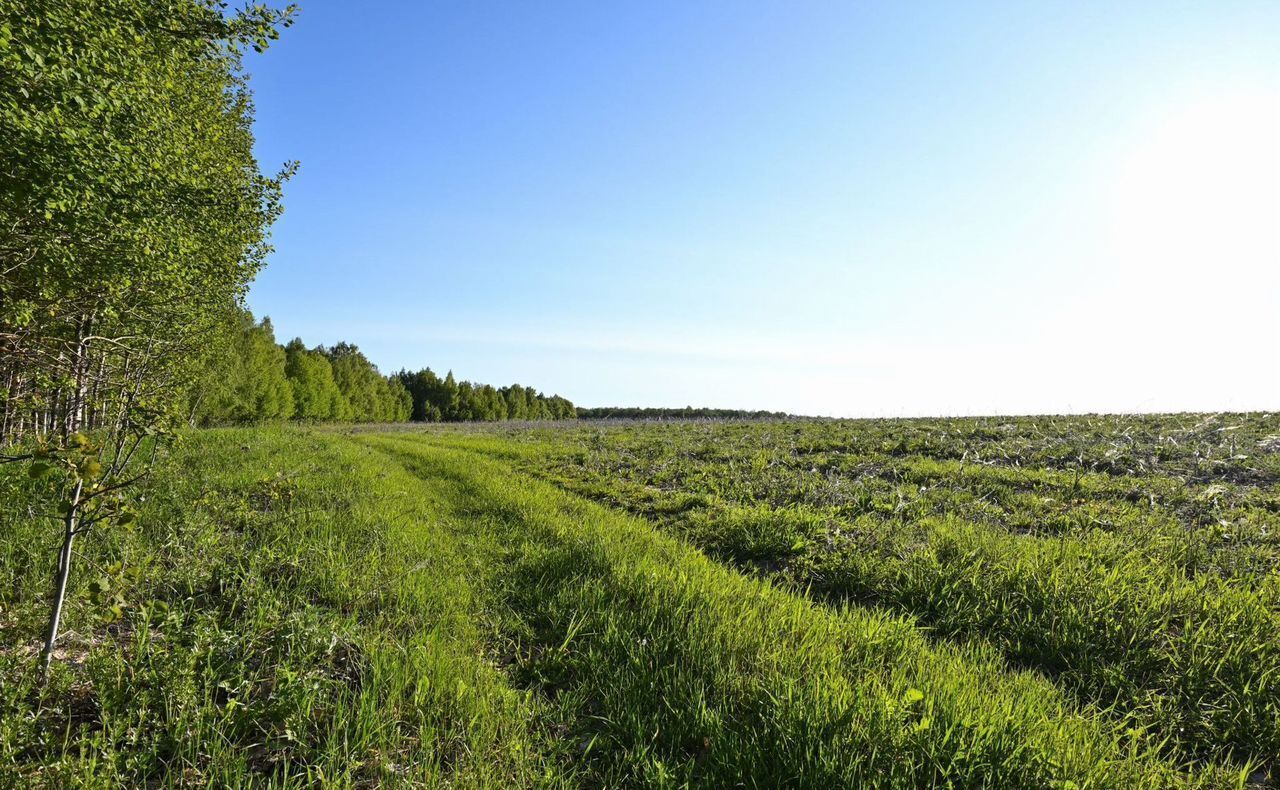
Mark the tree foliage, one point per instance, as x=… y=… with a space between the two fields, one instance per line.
x=132 y=209
x=256 y=380
x=369 y=395
x=315 y=393
x=448 y=400
x=687 y=413
x=133 y=214
x=247 y=383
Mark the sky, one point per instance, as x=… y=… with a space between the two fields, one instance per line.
x=840 y=209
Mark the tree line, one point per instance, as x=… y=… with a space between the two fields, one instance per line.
x=133 y=212
x=687 y=413
x=253 y=379
x=133 y=217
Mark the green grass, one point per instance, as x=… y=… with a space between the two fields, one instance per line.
x=301 y=608
x=291 y=616
x=1133 y=562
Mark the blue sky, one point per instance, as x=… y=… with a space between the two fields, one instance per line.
x=827 y=208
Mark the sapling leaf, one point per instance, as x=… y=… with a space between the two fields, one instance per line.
x=90 y=467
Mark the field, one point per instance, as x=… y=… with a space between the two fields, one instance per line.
x=1032 y=602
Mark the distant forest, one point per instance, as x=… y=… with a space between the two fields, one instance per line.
x=253 y=378
x=687 y=413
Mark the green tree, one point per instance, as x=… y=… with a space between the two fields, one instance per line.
x=435 y=399
x=315 y=394
x=449 y=400
x=370 y=396
x=132 y=215
x=248 y=383
x=132 y=210
x=399 y=401
x=424 y=389
x=358 y=380
x=491 y=406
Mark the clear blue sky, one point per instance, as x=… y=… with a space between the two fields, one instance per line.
x=831 y=208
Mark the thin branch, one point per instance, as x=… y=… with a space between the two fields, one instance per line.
x=115 y=487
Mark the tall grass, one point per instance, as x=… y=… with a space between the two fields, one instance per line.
x=298 y=608
x=668 y=668
x=1136 y=590
x=289 y=618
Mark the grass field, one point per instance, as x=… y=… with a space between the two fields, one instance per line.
x=1070 y=602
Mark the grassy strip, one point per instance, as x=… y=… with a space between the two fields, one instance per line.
x=1171 y=622
x=287 y=617
x=666 y=668
x=300 y=610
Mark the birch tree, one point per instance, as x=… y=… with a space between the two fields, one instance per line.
x=132 y=213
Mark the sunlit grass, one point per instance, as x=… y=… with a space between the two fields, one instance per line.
x=311 y=608
x=1134 y=561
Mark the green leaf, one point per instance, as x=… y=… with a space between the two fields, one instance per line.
x=90 y=467
x=38 y=469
